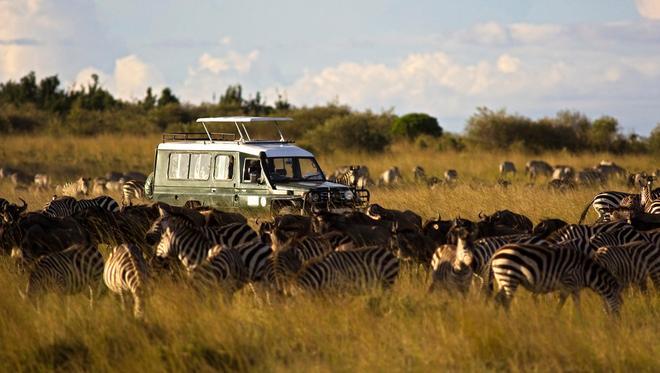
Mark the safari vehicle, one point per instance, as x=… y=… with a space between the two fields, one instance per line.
x=236 y=171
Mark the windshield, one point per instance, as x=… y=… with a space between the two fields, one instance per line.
x=294 y=169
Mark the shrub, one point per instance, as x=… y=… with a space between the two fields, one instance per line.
x=414 y=124
x=363 y=132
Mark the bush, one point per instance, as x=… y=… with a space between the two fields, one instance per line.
x=414 y=124
x=654 y=140
x=362 y=132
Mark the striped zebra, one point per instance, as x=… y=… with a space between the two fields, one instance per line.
x=192 y=245
x=632 y=263
x=125 y=272
x=544 y=269
x=606 y=202
x=67 y=206
x=287 y=261
x=615 y=238
x=475 y=263
x=585 y=232
x=132 y=189
x=222 y=268
x=649 y=202
x=354 y=268
x=451 y=265
x=67 y=272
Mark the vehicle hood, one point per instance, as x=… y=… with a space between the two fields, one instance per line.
x=304 y=186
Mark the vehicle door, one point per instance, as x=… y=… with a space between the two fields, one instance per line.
x=225 y=178
x=253 y=188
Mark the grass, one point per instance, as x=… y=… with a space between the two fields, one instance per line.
x=404 y=329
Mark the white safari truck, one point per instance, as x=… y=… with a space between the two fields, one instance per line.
x=236 y=171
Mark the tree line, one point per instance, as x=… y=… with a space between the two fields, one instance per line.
x=30 y=105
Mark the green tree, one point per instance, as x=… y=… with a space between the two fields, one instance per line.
x=415 y=124
x=149 y=101
x=167 y=98
x=654 y=140
x=233 y=96
x=603 y=133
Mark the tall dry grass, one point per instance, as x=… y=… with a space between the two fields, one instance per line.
x=402 y=329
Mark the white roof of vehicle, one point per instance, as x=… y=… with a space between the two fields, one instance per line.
x=242 y=119
x=272 y=149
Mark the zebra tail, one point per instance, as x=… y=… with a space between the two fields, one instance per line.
x=585 y=211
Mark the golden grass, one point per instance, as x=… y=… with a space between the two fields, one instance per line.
x=402 y=329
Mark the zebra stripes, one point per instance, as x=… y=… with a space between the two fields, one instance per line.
x=606 y=202
x=132 y=189
x=363 y=268
x=125 y=272
x=584 y=232
x=223 y=268
x=67 y=272
x=542 y=269
x=632 y=263
x=67 y=206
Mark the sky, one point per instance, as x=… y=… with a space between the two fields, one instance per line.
x=445 y=58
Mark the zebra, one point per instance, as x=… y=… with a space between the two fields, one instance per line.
x=606 y=202
x=67 y=272
x=584 y=232
x=475 y=262
x=223 y=267
x=390 y=177
x=125 y=272
x=507 y=167
x=632 y=263
x=615 y=238
x=451 y=176
x=288 y=260
x=534 y=168
x=544 y=269
x=354 y=268
x=192 y=245
x=67 y=206
x=132 y=189
x=649 y=203
x=451 y=265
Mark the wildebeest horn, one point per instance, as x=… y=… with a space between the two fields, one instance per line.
x=439 y=217
x=24 y=207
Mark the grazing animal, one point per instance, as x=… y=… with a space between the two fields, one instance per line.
x=506 y=168
x=606 y=202
x=632 y=263
x=547 y=226
x=132 y=189
x=451 y=176
x=608 y=168
x=353 y=176
x=41 y=181
x=649 y=203
x=67 y=206
x=543 y=269
x=390 y=177
x=451 y=264
x=76 y=189
x=590 y=177
x=98 y=186
x=125 y=273
x=563 y=172
x=419 y=175
x=67 y=272
x=534 y=168
x=361 y=268
x=222 y=268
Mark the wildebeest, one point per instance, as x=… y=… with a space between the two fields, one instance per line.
x=451 y=176
x=390 y=177
x=608 y=168
x=535 y=168
x=507 y=167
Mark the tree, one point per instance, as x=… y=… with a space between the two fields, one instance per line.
x=603 y=133
x=414 y=124
x=233 y=96
x=167 y=97
x=149 y=100
x=654 y=140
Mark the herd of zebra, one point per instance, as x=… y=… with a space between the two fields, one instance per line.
x=560 y=177
x=131 y=185
x=59 y=248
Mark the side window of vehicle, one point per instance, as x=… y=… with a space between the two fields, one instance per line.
x=224 y=167
x=200 y=166
x=251 y=167
x=179 y=165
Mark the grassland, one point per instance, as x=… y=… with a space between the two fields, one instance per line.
x=402 y=329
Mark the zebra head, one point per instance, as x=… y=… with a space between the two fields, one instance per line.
x=166 y=247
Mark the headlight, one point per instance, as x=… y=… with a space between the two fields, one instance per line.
x=348 y=195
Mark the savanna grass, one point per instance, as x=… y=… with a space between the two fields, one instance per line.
x=402 y=329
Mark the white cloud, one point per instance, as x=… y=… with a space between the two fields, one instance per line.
x=508 y=64
x=232 y=61
x=649 y=8
x=129 y=80
x=532 y=33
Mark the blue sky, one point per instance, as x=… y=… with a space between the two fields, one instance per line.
x=441 y=57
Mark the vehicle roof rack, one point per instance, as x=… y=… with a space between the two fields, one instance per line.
x=198 y=136
x=240 y=126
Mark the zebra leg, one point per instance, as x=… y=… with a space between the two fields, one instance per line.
x=138 y=310
x=122 y=303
